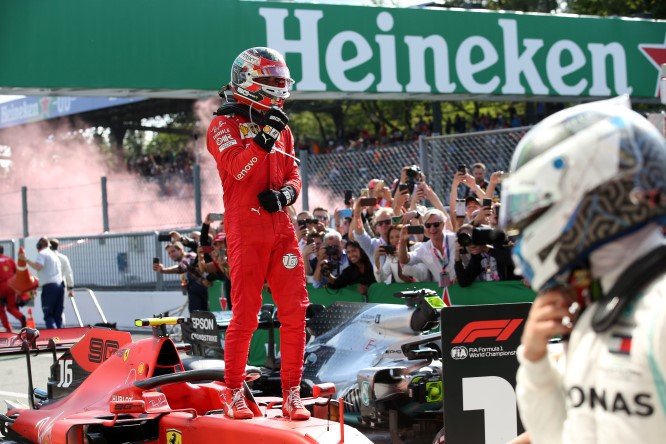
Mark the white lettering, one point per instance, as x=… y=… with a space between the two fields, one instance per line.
x=618 y=57
x=203 y=323
x=417 y=73
x=223 y=138
x=476 y=60
x=11 y=112
x=307 y=46
x=226 y=145
x=64 y=104
x=515 y=64
x=246 y=168
x=556 y=71
x=337 y=66
x=467 y=68
x=387 y=61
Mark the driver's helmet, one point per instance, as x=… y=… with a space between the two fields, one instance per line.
x=250 y=75
x=581 y=178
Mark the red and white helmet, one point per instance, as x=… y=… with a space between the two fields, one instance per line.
x=250 y=73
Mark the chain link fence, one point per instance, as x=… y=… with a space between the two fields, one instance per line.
x=438 y=157
x=134 y=203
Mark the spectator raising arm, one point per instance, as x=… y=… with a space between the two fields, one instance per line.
x=436 y=202
x=494 y=180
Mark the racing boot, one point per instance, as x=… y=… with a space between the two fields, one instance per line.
x=233 y=404
x=292 y=406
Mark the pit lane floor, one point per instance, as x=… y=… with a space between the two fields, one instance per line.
x=14 y=382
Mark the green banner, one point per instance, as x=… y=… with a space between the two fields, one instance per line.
x=129 y=47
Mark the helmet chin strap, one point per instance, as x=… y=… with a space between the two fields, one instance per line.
x=229 y=108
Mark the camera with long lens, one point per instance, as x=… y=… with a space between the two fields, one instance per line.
x=481 y=236
x=332 y=265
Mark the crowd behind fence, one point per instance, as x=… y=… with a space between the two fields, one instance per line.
x=136 y=205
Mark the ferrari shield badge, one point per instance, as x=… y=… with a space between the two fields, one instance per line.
x=174 y=436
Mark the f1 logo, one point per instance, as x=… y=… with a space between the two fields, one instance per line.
x=500 y=329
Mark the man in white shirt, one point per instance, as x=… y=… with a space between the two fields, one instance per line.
x=65 y=266
x=437 y=254
x=50 y=280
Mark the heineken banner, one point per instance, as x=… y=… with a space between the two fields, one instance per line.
x=479 y=357
x=334 y=51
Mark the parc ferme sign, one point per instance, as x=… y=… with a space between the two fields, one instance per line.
x=479 y=345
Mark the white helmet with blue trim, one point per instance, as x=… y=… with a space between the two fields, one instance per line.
x=581 y=178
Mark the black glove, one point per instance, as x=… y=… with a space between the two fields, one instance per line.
x=272 y=201
x=276 y=121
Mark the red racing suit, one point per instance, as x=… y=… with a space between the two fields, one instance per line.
x=261 y=246
x=7 y=270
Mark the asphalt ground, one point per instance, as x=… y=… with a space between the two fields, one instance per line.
x=14 y=381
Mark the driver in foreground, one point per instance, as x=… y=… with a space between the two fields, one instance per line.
x=254 y=148
x=586 y=194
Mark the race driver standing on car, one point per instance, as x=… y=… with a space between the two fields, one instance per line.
x=254 y=148
x=586 y=196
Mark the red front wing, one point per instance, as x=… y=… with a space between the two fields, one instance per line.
x=138 y=392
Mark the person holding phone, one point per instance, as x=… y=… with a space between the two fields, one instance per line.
x=475 y=193
x=381 y=224
x=358 y=272
x=482 y=215
x=390 y=270
x=438 y=253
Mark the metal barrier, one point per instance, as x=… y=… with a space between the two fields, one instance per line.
x=9 y=247
x=113 y=261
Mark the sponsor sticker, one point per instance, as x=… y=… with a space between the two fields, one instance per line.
x=246 y=168
x=365 y=393
x=249 y=58
x=289 y=261
x=248 y=130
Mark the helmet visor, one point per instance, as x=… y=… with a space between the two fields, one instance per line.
x=521 y=205
x=272 y=71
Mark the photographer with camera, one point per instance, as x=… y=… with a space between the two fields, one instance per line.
x=437 y=253
x=197 y=286
x=331 y=259
x=312 y=243
x=214 y=265
x=489 y=256
x=358 y=272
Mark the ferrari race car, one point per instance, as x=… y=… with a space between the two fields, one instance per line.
x=384 y=360
x=108 y=389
